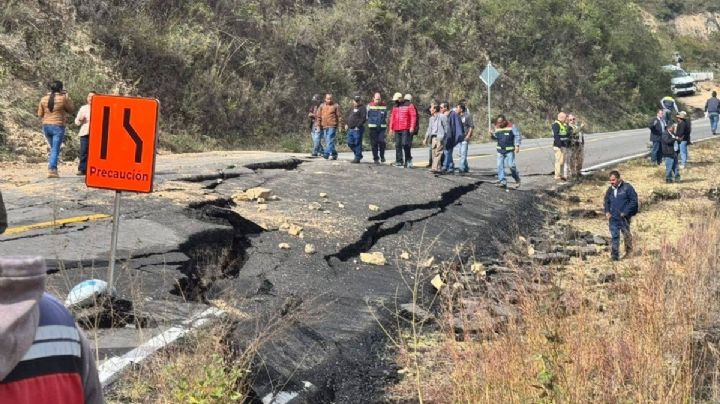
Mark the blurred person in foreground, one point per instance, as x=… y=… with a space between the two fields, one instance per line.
x=45 y=357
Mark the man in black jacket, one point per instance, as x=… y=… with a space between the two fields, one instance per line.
x=621 y=204
x=355 y=127
x=657 y=127
x=668 y=148
x=683 y=135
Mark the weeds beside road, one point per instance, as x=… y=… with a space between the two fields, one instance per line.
x=643 y=330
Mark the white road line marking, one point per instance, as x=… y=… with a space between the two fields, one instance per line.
x=110 y=369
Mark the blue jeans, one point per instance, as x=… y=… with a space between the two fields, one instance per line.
x=463 y=157
x=329 y=135
x=713 y=121
x=683 y=152
x=84 y=141
x=354 y=141
x=655 y=155
x=317 y=148
x=617 y=226
x=508 y=157
x=54 y=135
x=448 y=164
x=672 y=169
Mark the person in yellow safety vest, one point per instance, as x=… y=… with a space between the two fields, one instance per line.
x=562 y=133
x=668 y=104
x=377 y=125
x=508 y=145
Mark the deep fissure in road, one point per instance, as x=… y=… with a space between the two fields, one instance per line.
x=214 y=254
x=376 y=232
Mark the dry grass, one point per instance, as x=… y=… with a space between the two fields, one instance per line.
x=201 y=369
x=650 y=336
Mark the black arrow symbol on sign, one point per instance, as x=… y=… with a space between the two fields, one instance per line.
x=130 y=130
x=133 y=135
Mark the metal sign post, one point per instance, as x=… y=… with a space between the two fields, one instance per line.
x=488 y=76
x=113 y=240
x=121 y=152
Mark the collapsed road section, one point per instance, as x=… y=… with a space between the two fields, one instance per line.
x=315 y=318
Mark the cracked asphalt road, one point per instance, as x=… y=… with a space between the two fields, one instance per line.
x=189 y=243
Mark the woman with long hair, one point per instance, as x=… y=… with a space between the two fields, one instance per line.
x=53 y=109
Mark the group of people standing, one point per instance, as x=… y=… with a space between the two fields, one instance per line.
x=568 y=145
x=53 y=109
x=326 y=120
x=449 y=127
x=670 y=139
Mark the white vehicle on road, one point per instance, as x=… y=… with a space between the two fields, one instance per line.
x=680 y=82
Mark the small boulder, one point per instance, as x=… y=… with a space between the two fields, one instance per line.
x=375 y=258
x=258 y=192
x=323 y=194
x=373 y=208
x=551 y=258
x=405 y=255
x=428 y=262
x=340 y=205
x=415 y=313
x=310 y=249
x=478 y=268
x=314 y=206
x=294 y=230
x=284 y=246
x=599 y=240
x=437 y=282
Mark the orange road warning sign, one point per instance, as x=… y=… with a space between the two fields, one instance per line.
x=123 y=136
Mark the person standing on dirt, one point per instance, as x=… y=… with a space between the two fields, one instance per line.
x=315 y=134
x=620 y=204
x=403 y=120
x=435 y=135
x=377 y=125
x=562 y=133
x=468 y=127
x=355 y=128
x=684 y=128
x=329 y=120
x=668 y=105
x=52 y=110
x=455 y=136
x=669 y=150
x=45 y=356
x=657 y=127
x=712 y=111
x=577 y=147
x=508 y=146
x=83 y=119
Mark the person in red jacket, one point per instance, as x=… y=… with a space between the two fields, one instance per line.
x=45 y=357
x=403 y=120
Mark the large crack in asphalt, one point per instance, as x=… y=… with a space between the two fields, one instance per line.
x=214 y=254
x=375 y=232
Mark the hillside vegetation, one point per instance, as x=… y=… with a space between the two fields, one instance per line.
x=239 y=74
